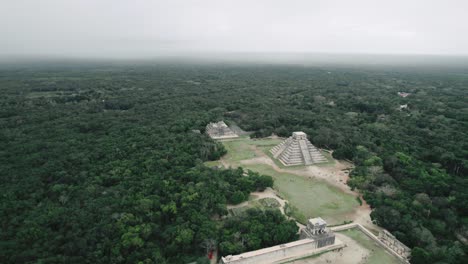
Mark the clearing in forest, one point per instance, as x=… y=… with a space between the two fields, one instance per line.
x=308 y=195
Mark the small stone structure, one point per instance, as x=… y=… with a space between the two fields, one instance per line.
x=317 y=229
x=316 y=238
x=403 y=94
x=297 y=150
x=388 y=239
x=220 y=130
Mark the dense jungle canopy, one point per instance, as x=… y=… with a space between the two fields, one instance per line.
x=99 y=163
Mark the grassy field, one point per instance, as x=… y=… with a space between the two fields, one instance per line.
x=378 y=255
x=239 y=149
x=311 y=197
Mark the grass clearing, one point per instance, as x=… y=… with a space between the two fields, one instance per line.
x=378 y=255
x=308 y=197
x=243 y=148
x=311 y=197
x=238 y=150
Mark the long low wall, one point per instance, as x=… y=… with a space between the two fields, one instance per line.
x=370 y=235
x=281 y=253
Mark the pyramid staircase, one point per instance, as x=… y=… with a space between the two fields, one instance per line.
x=297 y=150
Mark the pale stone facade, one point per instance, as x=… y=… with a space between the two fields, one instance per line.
x=220 y=130
x=297 y=150
x=388 y=239
x=317 y=229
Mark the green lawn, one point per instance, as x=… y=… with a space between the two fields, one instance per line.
x=378 y=255
x=311 y=197
x=238 y=149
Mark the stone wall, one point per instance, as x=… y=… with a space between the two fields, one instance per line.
x=281 y=253
x=395 y=244
x=316 y=238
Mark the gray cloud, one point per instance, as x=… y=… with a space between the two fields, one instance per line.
x=137 y=28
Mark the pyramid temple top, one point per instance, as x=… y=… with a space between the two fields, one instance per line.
x=299 y=135
x=297 y=150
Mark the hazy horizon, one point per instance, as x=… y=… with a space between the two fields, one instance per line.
x=152 y=29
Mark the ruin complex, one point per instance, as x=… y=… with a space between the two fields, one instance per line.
x=297 y=150
x=220 y=130
x=388 y=239
x=315 y=238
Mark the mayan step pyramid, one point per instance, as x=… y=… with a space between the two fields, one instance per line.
x=297 y=150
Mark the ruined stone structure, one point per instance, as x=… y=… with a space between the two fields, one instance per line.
x=403 y=94
x=317 y=230
x=297 y=150
x=388 y=239
x=316 y=238
x=385 y=239
x=220 y=130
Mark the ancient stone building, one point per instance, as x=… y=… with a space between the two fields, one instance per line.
x=297 y=150
x=388 y=239
x=220 y=130
x=317 y=229
x=316 y=238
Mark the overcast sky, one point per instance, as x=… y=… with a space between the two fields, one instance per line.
x=142 y=28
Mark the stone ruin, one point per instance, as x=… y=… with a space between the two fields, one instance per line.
x=403 y=94
x=297 y=150
x=315 y=238
x=388 y=239
x=220 y=130
x=317 y=230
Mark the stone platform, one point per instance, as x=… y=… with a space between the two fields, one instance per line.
x=220 y=130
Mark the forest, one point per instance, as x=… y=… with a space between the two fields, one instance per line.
x=103 y=162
